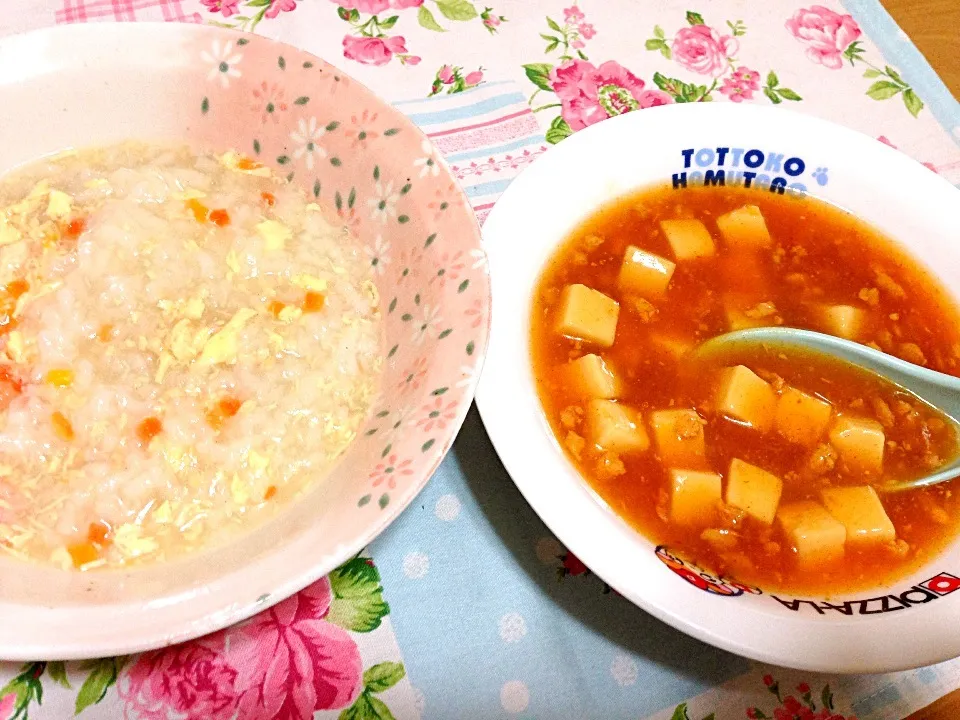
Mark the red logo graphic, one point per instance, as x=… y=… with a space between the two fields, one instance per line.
x=701 y=579
x=942 y=584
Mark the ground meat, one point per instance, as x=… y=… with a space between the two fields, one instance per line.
x=871 y=296
x=592 y=242
x=646 y=311
x=912 y=353
x=889 y=285
x=609 y=466
x=571 y=416
x=883 y=412
x=823 y=459
x=761 y=310
x=575 y=444
x=688 y=427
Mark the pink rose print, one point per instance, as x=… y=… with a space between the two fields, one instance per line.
x=373 y=51
x=747 y=77
x=573 y=14
x=703 y=50
x=735 y=90
x=571 y=35
x=791 y=708
x=193 y=680
x=825 y=33
x=700 y=48
x=8 y=704
x=285 y=663
x=279 y=6
x=290 y=662
x=832 y=38
x=403 y=4
x=589 y=94
x=226 y=7
x=372 y=7
x=453 y=80
x=491 y=22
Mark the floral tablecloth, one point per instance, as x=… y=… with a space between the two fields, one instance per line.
x=467 y=607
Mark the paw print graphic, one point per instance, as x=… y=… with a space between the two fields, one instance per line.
x=820 y=175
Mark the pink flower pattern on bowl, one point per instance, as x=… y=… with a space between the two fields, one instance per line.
x=358 y=157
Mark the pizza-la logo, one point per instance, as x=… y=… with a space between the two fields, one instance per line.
x=701 y=579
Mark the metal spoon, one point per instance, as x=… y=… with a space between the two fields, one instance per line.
x=939 y=391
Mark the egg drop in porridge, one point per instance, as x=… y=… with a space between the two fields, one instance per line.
x=188 y=342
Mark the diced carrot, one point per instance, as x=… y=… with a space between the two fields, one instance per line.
x=75 y=228
x=246 y=163
x=83 y=553
x=105 y=333
x=16 y=288
x=10 y=387
x=271 y=491
x=225 y=408
x=148 y=429
x=61 y=377
x=269 y=198
x=313 y=301
x=199 y=210
x=99 y=533
x=62 y=426
x=8 y=304
x=220 y=217
x=275 y=307
x=229 y=406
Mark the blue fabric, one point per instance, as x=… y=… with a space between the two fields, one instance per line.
x=586 y=653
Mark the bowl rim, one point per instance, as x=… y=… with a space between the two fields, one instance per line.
x=223 y=613
x=595 y=534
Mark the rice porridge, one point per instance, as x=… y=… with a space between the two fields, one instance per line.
x=187 y=342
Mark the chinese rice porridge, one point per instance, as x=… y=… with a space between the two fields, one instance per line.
x=186 y=343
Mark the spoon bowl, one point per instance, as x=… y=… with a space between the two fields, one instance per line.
x=939 y=391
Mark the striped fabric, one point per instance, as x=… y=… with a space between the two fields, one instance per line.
x=488 y=135
x=81 y=11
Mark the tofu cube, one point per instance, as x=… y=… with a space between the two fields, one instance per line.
x=845 y=321
x=587 y=314
x=694 y=497
x=859 y=442
x=615 y=427
x=744 y=228
x=801 y=418
x=744 y=396
x=679 y=437
x=590 y=377
x=688 y=239
x=860 y=511
x=753 y=490
x=644 y=273
x=814 y=533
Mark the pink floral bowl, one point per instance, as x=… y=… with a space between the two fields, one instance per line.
x=217 y=89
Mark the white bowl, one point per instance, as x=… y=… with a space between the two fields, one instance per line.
x=864 y=632
x=102 y=83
